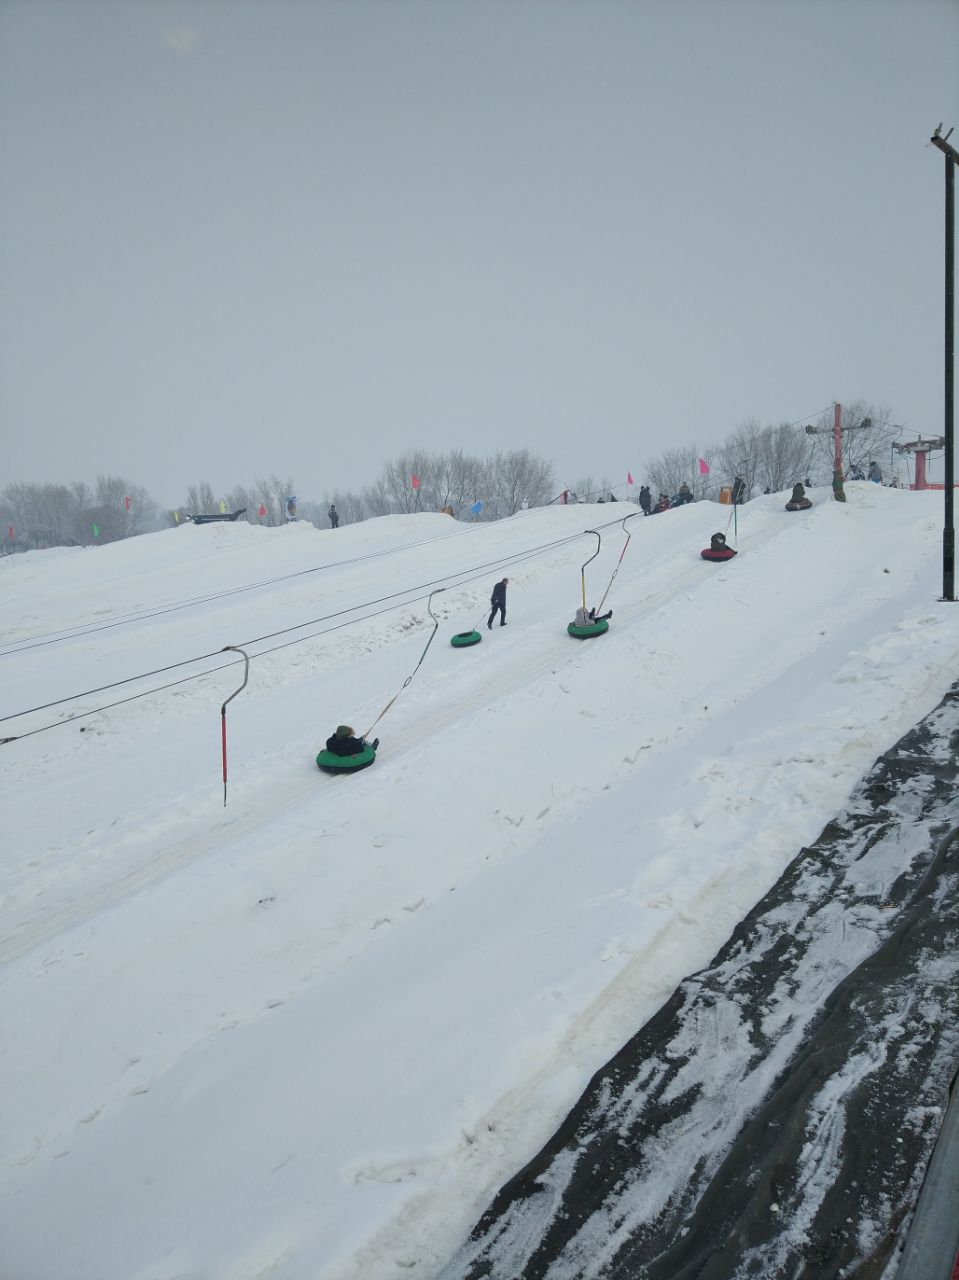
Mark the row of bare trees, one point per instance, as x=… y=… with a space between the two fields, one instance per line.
x=413 y=481
x=75 y=514
x=773 y=458
x=458 y=480
x=269 y=496
x=766 y=457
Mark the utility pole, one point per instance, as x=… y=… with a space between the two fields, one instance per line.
x=837 y=429
x=949 y=531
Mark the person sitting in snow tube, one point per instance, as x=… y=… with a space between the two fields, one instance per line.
x=346 y=753
x=798 y=501
x=586 y=624
x=586 y=619
x=717 y=549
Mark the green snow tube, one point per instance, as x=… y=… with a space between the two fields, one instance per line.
x=586 y=633
x=463 y=639
x=330 y=762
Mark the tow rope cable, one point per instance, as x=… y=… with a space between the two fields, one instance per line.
x=599 y=607
x=436 y=623
x=599 y=543
x=246 y=676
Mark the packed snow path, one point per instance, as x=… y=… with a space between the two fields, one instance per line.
x=317 y=1030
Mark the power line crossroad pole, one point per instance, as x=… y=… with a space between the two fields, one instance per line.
x=837 y=429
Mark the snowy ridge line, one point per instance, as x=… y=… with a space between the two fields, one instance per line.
x=474 y=571
x=140 y=615
x=776 y=1116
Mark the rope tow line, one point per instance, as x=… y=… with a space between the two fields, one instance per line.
x=153 y=611
x=599 y=607
x=517 y=558
x=476 y=571
x=246 y=675
x=599 y=543
x=436 y=623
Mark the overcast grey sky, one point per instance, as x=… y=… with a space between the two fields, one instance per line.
x=300 y=236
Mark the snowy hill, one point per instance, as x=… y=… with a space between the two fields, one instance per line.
x=311 y=1033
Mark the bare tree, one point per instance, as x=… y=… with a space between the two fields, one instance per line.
x=200 y=500
x=675 y=467
x=239 y=499
x=272 y=494
x=783 y=457
x=514 y=476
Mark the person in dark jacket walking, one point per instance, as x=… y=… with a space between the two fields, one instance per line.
x=334 y=517
x=645 y=499
x=498 y=601
x=344 y=743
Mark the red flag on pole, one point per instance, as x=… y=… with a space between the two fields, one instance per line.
x=10 y=531
x=127 y=502
x=629 y=477
x=261 y=510
x=703 y=467
x=415 y=481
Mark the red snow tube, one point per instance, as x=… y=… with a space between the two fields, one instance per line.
x=709 y=554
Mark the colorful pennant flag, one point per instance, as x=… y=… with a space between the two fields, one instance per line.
x=261 y=510
x=176 y=516
x=629 y=477
x=415 y=481
x=10 y=532
x=222 y=507
x=127 y=501
x=96 y=531
x=703 y=467
x=477 y=507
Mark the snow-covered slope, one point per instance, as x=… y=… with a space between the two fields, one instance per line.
x=309 y=1034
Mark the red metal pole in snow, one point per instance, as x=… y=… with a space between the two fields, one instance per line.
x=223 y=735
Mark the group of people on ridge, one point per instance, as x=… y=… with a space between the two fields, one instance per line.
x=664 y=503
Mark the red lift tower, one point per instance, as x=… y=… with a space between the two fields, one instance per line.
x=921 y=448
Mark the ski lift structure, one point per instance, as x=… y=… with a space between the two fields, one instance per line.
x=330 y=762
x=921 y=449
x=593 y=628
x=599 y=626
